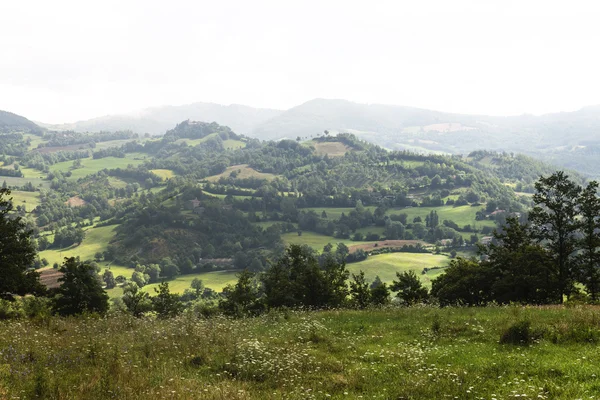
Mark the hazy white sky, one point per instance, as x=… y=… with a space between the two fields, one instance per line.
x=62 y=60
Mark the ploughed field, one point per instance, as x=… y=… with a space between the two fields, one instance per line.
x=394 y=353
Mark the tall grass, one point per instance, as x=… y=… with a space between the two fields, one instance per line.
x=392 y=353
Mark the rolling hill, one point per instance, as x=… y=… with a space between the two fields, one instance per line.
x=568 y=139
x=10 y=122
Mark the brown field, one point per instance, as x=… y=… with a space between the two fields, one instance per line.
x=244 y=171
x=332 y=149
x=49 y=278
x=75 y=201
x=385 y=243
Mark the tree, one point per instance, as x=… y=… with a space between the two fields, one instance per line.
x=80 y=290
x=409 y=287
x=136 y=301
x=198 y=286
x=359 y=290
x=109 y=279
x=153 y=271
x=518 y=269
x=140 y=278
x=242 y=298
x=380 y=293
x=588 y=261
x=165 y=303
x=554 y=222
x=17 y=253
x=169 y=268
x=463 y=283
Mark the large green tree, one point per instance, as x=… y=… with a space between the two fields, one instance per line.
x=17 y=253
x=554 y=222
x=80 y=290
x=519 y=269
x=588 y=259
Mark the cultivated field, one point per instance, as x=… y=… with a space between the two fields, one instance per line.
x=332 y=149
x=243 y=171
x=392 y=353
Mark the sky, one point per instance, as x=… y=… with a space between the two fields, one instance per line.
x=62 y=61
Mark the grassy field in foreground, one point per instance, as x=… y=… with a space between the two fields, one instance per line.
x=386 y=265
x=392 y=353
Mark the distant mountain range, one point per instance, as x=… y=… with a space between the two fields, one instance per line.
x=157 y=120
x=570 y=139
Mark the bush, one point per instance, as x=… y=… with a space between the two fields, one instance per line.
x=519 y=333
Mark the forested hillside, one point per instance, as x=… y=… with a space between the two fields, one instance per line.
x=203 y=201
x=10 y=122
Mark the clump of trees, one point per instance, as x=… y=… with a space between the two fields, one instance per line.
x=538 y=262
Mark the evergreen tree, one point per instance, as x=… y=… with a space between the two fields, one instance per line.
x=80 y=290
x=519 y=269
x=17 y=253
x=409 y=287
x=588 y=261
x=554 y=222
x=359 y=290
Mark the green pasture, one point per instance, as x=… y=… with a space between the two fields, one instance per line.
x=215 y=280
x=91 y=166
x=29 y=199
x=96 y=240
x=386 y=265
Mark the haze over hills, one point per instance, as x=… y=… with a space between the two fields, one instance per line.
x=568 y=139
x=10 y=122
x=157 y=120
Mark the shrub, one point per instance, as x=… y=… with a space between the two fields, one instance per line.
x=519 y=333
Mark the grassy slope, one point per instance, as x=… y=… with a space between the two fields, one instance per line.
x=386 y=265
x=96 y=240
x=91 y=166
x=315 y=240
x=163 y=173
x=215 y=280
x=396 y=353
x=244 y=172
x=29 y=199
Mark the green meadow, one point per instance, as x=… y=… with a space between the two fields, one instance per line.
x=163 y=173
x=96 y=240
x=420 y=352
x=28 y=199
x=315 y=240
x=215 y=280
x=91 y=166
x=386 y=265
